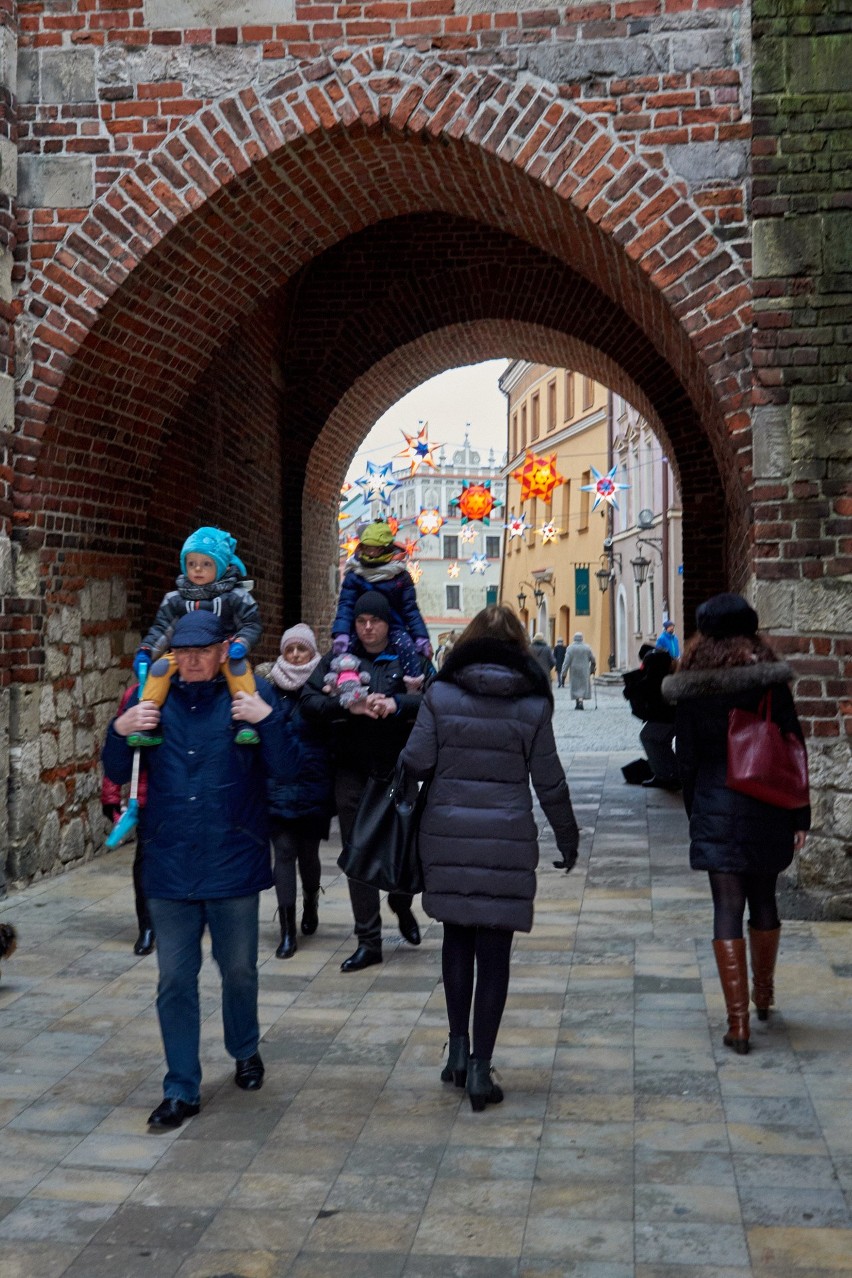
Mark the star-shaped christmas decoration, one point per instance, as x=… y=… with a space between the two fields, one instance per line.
x=548 y=532
x=415 y=572
x=429 y=521
x=604 y=487
x=477 y=564
x=476 y=501
x=349 y=546
x=468 y=534
x=538 y=477
x=518 y=526
x=418 y=451
x=377 y=482
x=453 y=570
x=409 y=547
x=393 y=524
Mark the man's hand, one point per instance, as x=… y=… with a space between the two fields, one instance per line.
x=362 y=707
x=381 y=706
x=143 y=717
x=799 y=840
x=250 y=707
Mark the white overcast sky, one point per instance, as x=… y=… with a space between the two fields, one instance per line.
x=447 y=402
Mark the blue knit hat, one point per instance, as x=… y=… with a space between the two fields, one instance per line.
x=217 y=545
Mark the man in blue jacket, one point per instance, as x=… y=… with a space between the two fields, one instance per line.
x=205 y=850
x=668 y=640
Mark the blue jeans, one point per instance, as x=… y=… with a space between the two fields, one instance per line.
x=179 y=926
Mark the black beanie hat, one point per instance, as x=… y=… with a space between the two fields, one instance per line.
x=374 y=603
x=725 y=616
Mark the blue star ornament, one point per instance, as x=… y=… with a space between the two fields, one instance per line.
x=604 y=487
x=377 y=482
x=477 y=563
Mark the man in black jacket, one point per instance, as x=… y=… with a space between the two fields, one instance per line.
x=367 y=739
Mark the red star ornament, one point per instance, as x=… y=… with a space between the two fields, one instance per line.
x=538 y=477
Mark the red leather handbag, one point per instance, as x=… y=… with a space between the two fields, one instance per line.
x=765 y=762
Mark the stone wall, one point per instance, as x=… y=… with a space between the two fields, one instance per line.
x=803 y=399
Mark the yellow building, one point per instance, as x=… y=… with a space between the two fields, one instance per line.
x=550 y=577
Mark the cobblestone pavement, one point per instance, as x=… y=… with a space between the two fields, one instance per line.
x=631 y=1143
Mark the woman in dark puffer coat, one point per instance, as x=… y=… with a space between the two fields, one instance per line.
x=743 y=844
x=483 y=731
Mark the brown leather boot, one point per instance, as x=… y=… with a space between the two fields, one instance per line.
x=733 y=973
x=764 y=952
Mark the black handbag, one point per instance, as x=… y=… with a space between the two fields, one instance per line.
x=381 y=850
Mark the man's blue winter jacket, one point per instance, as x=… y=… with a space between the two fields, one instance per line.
x=204 y=829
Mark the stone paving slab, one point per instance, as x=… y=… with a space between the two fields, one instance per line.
x=631 y=1143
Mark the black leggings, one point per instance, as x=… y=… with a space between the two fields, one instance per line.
x=488 y=950
x=730 y=893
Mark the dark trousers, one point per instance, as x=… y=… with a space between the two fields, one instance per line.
x=348 y=788
x=657 y=741
x=294 y=847
x=143 y=914
x=485 y=953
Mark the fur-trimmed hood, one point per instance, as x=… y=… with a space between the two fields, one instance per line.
x=725 y=681
x=491 y=667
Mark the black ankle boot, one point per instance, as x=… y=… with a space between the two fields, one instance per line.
x=481 y=1088
x=144 y=941
x=287 y=948
x=455 y=1070
x=310 y=913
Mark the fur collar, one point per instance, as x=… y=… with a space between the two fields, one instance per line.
x=725 y=681
x=494 y=652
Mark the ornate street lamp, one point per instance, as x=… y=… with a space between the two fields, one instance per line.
x=522 y=601
x=640 y=567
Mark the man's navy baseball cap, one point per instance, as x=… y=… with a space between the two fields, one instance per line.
x=198 y=630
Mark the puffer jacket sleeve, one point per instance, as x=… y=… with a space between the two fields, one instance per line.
x=784 y=714
x=421 y=752
x=170 y=609
x=548 y=778
x=686 y=753
x=246 y=615
x=350 y=590
x=409 y=610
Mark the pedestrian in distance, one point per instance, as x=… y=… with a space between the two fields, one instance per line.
x=559 y=661
x=367 y=734
x=540 y=650
x=668 y=640
x=212 y=579
x=205 y=850
x=483 y=731
x=300 y=807
x=741 y=842
x=579 y=667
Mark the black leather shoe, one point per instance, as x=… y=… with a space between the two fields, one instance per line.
x=249 y=1073
x=657 y=783
x=144 y=942
x=171 y=1113
x=363 y=957
x=288 y=946
x=408 y=928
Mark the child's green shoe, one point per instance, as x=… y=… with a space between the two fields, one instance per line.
x=246 y=736
x=137 y=739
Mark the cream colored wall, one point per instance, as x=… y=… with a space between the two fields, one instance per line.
x=577 y=447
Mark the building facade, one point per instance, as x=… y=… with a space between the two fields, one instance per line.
x=549 y=575
x=646 y=535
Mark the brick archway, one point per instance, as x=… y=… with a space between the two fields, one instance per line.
x=132 y=305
